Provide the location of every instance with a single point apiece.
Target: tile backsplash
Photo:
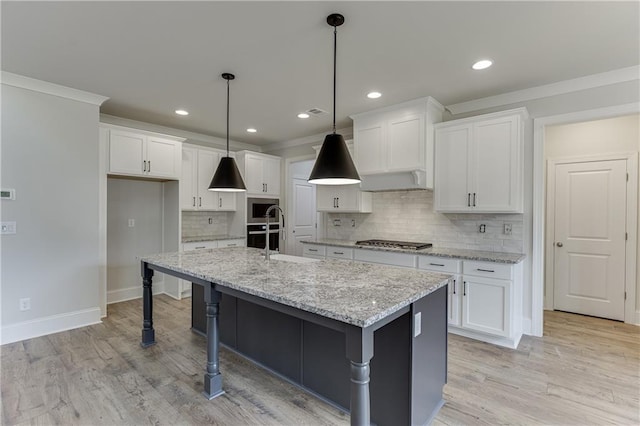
(409, 216)
(196, 224)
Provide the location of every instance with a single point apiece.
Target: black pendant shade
(334, 165)
(227, 177)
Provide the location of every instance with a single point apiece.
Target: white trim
(28, 83)
(110, 126)
(103, 159)
(539, 207)
(195, 138)
(130, 293)
(567, 86)
(526, 326)
(317, 138)
(289, 244)
(413, 102)
(49, 325)
(506, 342)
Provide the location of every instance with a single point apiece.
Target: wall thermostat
(7, 194)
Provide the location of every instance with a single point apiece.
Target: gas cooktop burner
(394, 244)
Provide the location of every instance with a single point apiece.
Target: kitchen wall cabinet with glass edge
(143, 154)
(479, 163)
(261, 173)
(398, 138)
(342, 198)
(198, 167)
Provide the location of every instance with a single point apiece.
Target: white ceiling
(150, 58)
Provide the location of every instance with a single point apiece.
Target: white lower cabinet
(484, 298)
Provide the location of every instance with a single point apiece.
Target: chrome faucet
(266, 215)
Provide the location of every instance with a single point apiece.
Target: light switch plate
(7, 228)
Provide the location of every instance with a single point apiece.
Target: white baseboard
(49, 325)
(130, 293)
(637, 318)
(495, 340)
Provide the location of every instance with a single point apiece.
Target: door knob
(559, 244)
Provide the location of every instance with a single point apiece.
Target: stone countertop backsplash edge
(452, 253)
(201, 239)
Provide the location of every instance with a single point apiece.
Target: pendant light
(227, 177)
(334, 165)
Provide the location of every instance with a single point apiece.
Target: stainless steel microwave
(257, 207)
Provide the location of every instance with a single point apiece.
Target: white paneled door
(589, 238)
(303, 215)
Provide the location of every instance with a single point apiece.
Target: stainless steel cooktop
(394, 244)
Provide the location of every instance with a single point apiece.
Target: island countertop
(356, 293)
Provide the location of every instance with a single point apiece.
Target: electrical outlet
(482, 229)
(25, 304)
(8, 228)
(132, 223)
(417, 324)
(508, 227)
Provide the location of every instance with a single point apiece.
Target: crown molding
(28, 83)
(567, 86)
(192, 137)
(317, 138)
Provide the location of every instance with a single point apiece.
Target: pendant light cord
(227, 118)
(335, 48)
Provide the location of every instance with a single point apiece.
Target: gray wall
(50, 156)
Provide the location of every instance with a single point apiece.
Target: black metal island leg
(213, 377)
(148, 333)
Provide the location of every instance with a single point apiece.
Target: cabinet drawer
(340, 252)
(201, 245)
(314, 250)
(231, 243)
(487, 269)
(385, 257)
(439, 264)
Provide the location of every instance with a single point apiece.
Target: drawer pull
(231, 245)
(436, 264)
(464, 288)
(313, 250)
(454, 286)
(200, 247)
(338, 252)
(484, 270)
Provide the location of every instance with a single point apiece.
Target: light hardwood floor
(583, 371)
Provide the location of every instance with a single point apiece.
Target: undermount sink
(294, 259)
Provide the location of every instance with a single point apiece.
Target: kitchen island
(321, 316)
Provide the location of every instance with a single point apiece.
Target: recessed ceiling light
(251, 130)
(483, 64)
(182, 112)
(303, 115)
(374, 95)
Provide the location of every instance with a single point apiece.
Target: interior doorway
(301, 207)
(587, 210)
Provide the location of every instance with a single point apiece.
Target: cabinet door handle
(334, 202)
(266, 187)
(474, 199)
(454, 286)
(199, 201)
(436, 264)
(313, 250)
(220, 202)
(338, 202)
(338, 252)
(201, 247)
(468, 199)
(194, 201)
(149, 166)
(464, 288)
(144, 166)
(485, 270)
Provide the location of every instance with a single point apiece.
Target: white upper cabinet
(198, 167)
(396, 141)
(261, 173)
(479, 163)
(342, 198)
(134, 153)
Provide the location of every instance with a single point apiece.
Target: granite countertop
(211, 238)
(464, 254)
(352, 292)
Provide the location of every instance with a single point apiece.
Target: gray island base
(370, 338)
